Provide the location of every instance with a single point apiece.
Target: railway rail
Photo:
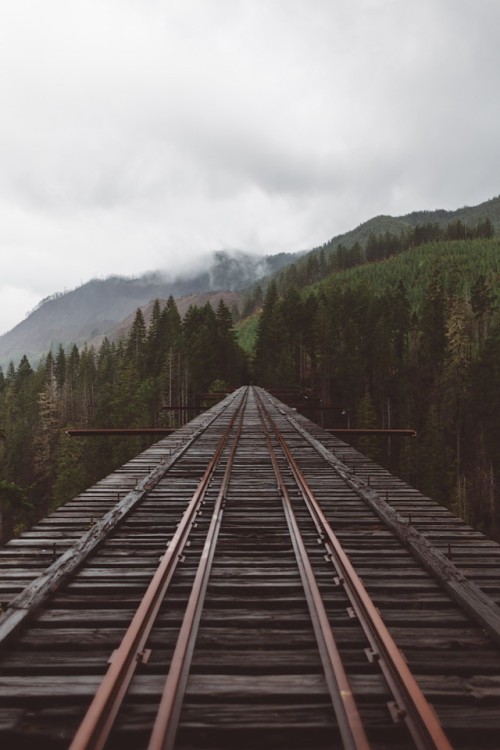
(250, 581)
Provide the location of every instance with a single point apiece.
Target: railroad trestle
(250, 581)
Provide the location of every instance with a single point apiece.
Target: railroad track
(258, 583)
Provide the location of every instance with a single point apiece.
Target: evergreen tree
(228, 354)
(169, 362)
(136, 343)
(272, 367)
(200, 341)
(60, 367)
(154, 349)
(293, 315)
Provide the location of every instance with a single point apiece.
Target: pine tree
(46, 433)
(60, 367)
(136, 343)
(227, 347)
(154, 349)
(173, 362)
(200, 341)
(272, 367)
(293, 314)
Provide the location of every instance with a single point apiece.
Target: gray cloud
(142, 134)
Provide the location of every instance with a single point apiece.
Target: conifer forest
(134, 383)
(402, 332)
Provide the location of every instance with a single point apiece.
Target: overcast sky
(141, 134)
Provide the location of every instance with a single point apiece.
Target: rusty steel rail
(99, 719)
(410, 704)
(349, 721)
(22, 606)
(167, 717)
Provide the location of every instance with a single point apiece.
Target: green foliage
(377, 240)
(410, 341)
(70, 473)
(246, 332)
(170, 363)
(15, 508)
(271, 367)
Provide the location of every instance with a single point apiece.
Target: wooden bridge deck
(256, 674)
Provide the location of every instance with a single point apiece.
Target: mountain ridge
(95, 308)
(183, 304)
(382, 223)
(98, 307)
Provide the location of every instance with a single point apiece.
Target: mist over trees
(403, 331)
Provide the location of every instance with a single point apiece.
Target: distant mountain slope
(467, 215)
(97, 307)
(394, 225)
(183, 304)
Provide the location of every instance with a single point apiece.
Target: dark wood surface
(256, 679)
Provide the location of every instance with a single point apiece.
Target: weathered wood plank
(23, 605)
(476, 603)
(229, 687)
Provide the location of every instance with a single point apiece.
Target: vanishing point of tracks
(251, 589)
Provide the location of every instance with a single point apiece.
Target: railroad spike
(143, 656)
(372, 655)
(397, 713)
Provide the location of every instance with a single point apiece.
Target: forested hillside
(409, 341)
(97, 307)
(402, 330)
(171, 362)
(462, 223)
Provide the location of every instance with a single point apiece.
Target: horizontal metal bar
(121, 431)
(369, 432)
(311, 406)
(182, 408)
